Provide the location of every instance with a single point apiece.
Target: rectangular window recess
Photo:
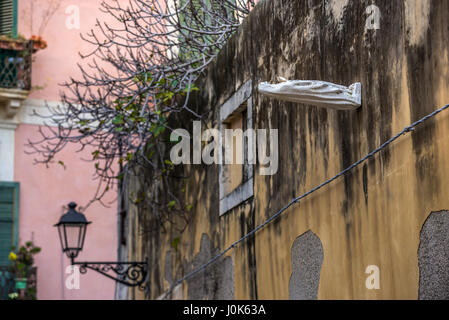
(236, 176)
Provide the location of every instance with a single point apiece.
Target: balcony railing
(7, 284)
(15, 64)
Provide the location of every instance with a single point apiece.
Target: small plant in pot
(23, 260)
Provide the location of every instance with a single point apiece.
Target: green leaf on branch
(175, 242)
(158, 130)
(95, 154)
(171, 204)
(192, 88)
(118, 119)
(62, 164)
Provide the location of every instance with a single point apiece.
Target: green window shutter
(8, 18)
(9, 219)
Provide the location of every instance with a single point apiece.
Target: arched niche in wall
(307, 258)
(215, 282)
(433, 257)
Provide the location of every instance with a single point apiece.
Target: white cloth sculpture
(318, 93)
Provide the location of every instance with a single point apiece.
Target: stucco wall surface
(373, 215)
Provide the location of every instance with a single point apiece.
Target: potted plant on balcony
(23, 261)
(38, 43)
(21, 43)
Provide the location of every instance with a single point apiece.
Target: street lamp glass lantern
(72, 231)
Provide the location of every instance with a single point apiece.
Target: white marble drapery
(313, 92)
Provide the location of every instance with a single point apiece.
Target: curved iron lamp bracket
(132, 274)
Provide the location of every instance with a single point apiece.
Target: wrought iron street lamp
(72, 231)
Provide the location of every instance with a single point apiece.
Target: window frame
(245, 190)
(16, 207)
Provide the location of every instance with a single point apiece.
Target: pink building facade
(42, 193)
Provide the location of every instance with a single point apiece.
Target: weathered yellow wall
(374, 215)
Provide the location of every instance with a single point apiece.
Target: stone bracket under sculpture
(313, 92)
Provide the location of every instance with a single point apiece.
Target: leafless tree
(142, 68)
